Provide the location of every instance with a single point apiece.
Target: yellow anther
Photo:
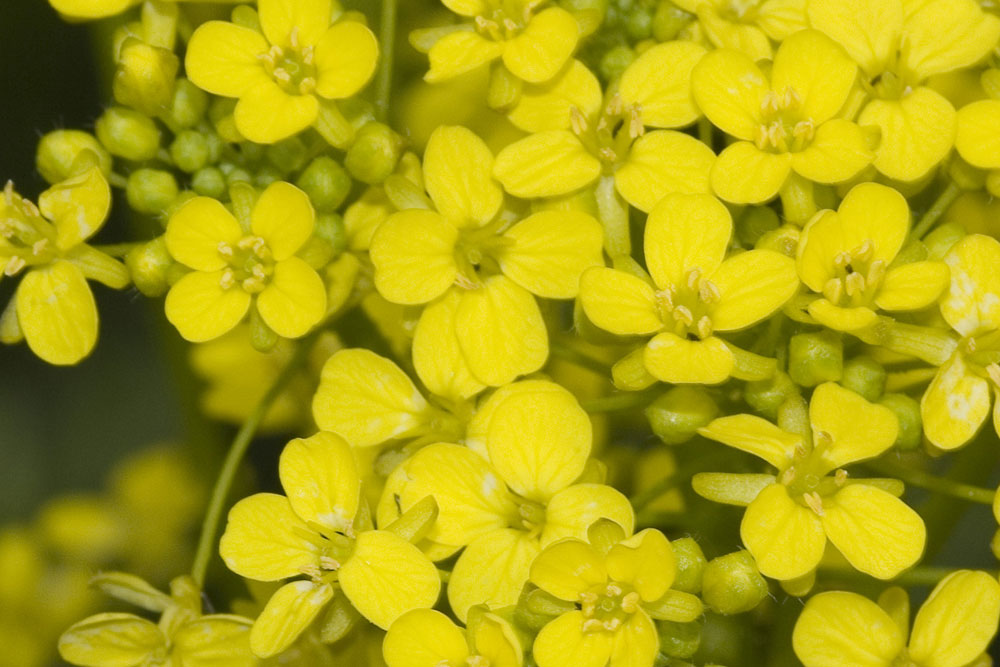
(840, 477)
(254, 285)
(30, 208)
(692, 278)
(704, 327)
(804, 130)
(228, 279)
(854, 284)
(612, 624)
(608, 155)
(814, 502)
(14, 264)
(224, 249)
(307, 85)
(615, 106)
(876, 272)
(683, 314)
(592, 625)
(993, 371)
(39, 247)
(842, 260)
(308, 55)
(466, 282)
(863, 252)
(788, 476)
(791, 100)
(635, 127)
(8, 193)
(293, 37)
(577, 121)
(613, 590)
(708, 292)
(833, 290)
(328, 563)
(823, 439)
(630, 603)
(769, 103)
(510, 25)
(281, 75)
(665, 298)
(311, 571)
(476, 661)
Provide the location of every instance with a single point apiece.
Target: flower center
(685, 309)
(334, 549)
(609, 136)
(784, 128)
(857, 277)
(739, 11)
(805, 477)
(607, 607)
(505, 19)
(251, 264)
(530, 516)
(293, 69)
(477, 253)
(25, 236)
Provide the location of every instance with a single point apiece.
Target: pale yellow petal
(785, 538)
(838, 152)
(728, 88)
(574, 509)
(265, 540)
(222, 58)
(437, 356)
(977, 140)
(568, 568)
(346, 56)
(321, 480)
(214, 638)
(676, 360)
(661, 163)
(874, 212)
(57, 313)
(645, 561)
(822, 239)
(543, 47)
(917, 133)
(295, 299)
(284, 217)
(413, 253)
(842, 318)
(868, 30)
(751, 285)
(547, 106)
(744, 174)
(458, 53)
(496, 640)
(725, 31)
(422, 638)
(201, 309)
(955, 405)
(457, 173)
(111, 640)
(196, 230)
(287, 615)
(636, 644)
(290, 22)
(818, 70)
(944, 35)
(730, 488)
(913, 286)
(78, 207)
(545, 164)
(492, 570)
(619, 302)
(665, 101)
(956, 623)
(838, 628)
(562, 643)
(266, 114)
(756, 436)
(686, 232)
(972, 303)
(871, 430)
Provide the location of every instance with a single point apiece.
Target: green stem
(685, 472)
(924, 480)
(566, 353)
(387, 45)
(620, 402)
(117, 249)
(945, 200)
(238, 448)
(923, 575)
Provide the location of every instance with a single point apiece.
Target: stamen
(683, 314)
(814, 501)
(577, 121)
(14, 264)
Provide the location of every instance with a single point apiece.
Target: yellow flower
(495, 261)
(787, 121)
(508, 493)
(845, 256)
(53, 308)
(278, 75)
(790, 516)
(747, 25)
(96, 9)
(953, 627)
(898, 48)
(695, 291)
(977, 139)
(619, 587)
(239, 264)
(323, 530)
(428, 638)
(957, 402)
(533, 45)
(183, 635)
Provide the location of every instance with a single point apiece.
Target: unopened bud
(755, 222)
(188, 105)
(677, 415)
(209, 182)
(679, 640)
(990, 81)
(630, 373)
(128, 134)
(149, 265)
(374, 154)
(993, 182)
(939, 241)
(907, 411)
(339, 618)
(615, 62)
(330, 228)
(732, 584)
(190, 151)
(63, 154)
(288, 155)
(144, 79)
(690, 562)
(151, 191)
(864, 376)
(814, 358)
(766, 396)
(326, 182)
(669, 20)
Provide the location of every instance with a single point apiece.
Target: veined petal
(842, 318)
(284, 217)
(837, 152)
(217, 637)
(744, 174)
(386, 576)
(877, 532)
(321, 479)
(977, 140)
(547, 106)
(457, 173)
(871, 429)
(562, 643)
(619, 302)
(196, 230)
(838, 628)
(112, 640)
(266, 113)
(78, 207)
(437, 356)
(459, 52)
(222, 58)
(290, 22)
(366, 399)
(752, 285)
(955, 405)
(265, 540)
(944, 35)
(726, 33)
(665, 101)
(878, 213)
(785, 538)
(636, 644)
(567, 568)
(956, 623)
(96, 265)
(574, 509)
(56, 313)
(868, 30)
(672, 359)
(424, 637)
(413, 253)
(346, 56)
(685, 232)
(822, 239)
(496, 640)
(543, 47)
(545, 164)
(201, 309)
(780, 18)
(972, 304)
(286, 616)
(730, 488)
(756, 436)
(492, 570)
(912, 286)
(816, 68)
(646, 562)
(661, 163)
(728, 88)
(295, 299)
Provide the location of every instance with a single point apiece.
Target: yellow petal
(492, 570)
(201, 309)
(944, 35)
(686, 232)
(90, 9)
(956, 623)
(636, 644)
(785, 538)
(547, 106)
(567, 568)
(871, 211)
(574, 509)
(265, 540)
(816, 68)
(413, 254)
(868, 30)
(842, 319)
(619, 302)
(458, 53)
(115, 640)
(57, 313)
(303, 21)
(663, 162)
(78, 207)
(877, 532)
(912, 286)
(501, 331)
(496, 640)
(366, 399)
(98, 266)
(437, 356)
(545, 164)
(727, 32)
(295, 299)
(539, 443)
(386, 576)
(286, 616)
(972, 304)
(222, 58)
(424, 637)
(977, 140)
(781, 18)
(284, 217)
(821, 241)
(837, 152)
(550, 251)
(752, 285)
(871, 430)
(466, 7)
(756, 436)
(728, 88)
(266, 113)
(346, 56)
(744, 174)
(210, 639)
(672, 359)
(645, 561)
(732, 489)
(321, 480)
(196, 230)
(457, 172)
(917, 133)
(955, 405)
(543, 47)
(838, 628)
(665, 101)
(562, 643)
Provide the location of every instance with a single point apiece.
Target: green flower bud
(288, 155)
(800, 586)
(766, 396)
(266, 175)
(669, 20)
(209, 182)
(755, 222)
(149, 265)
(144, 79)
(732, 584)
(865, 376)
(65, 153)
(326, 182)
(330, 228)
(190, 151)
(907, 411)
(151, 191)
(690, 563)
(677, 415)
(814, 358)
(990, 81)
(339, 618)
(639, 24)
(784, 239)
(238, 175)
(504, 88)
(615, 61)
(188, 105)
(532, 609)
(940, 240)
(965, 175)
(128, 134)
(993, 182)
(679, 640)
(374, 154)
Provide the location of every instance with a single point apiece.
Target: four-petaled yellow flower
(747, 25)
(428, 638)
(278, 75)
(243, 264)
(790, 516)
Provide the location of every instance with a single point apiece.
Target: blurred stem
(387, 45)
(922, 575)
(573, 356)
(942, 203)
(619, 402)
(238, 448)
(925, 480)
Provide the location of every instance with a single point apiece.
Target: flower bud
(504, 89)
(990, 81)
(149, 265)
(907, 411)
(690, 562)
(865, 377)
(288, 155)
(65, 153)
(151, 191)
(630, 374)
(814, 358)
(965, 175)
(616, 61)
(755, 222)
(326, 182)
(784, 239)
(639, 23)
(678, 414)
(266, 175)
(339, 618)
(800, 586)
(732, 584)
(669, 20)
(939, 241)
(330, 228)
(144, 79)
(189, 151)
(766, 396)
(128, 134)
(209, 182)
(679, 640)
(993, 182)
(374, 154)
(188, 105)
